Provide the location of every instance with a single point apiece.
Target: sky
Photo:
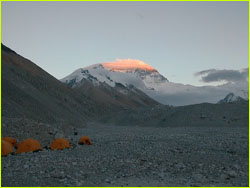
(179, 39)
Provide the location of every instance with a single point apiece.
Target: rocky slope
(30, 92)
(117, 97)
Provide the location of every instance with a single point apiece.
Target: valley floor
(138, 156)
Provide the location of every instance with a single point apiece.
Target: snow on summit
(127, 65)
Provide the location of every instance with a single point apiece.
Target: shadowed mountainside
(30, 92)
(118, 96)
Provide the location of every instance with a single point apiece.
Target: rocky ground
(138, 156)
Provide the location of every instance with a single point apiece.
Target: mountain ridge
(155, 85)
(231, 98)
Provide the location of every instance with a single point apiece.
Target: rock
(107, 181)
(232, 174)
(161, 175)
(200, 165)
(80, 183)
(75, 132)
(26, 166)
(236, 166)
(58, 174)
(59, 135)
(41, 172)
(180, 166)
(68, 176)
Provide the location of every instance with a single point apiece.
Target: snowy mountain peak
(124, 71)
(231, 98)
(95, 66)
(138, 68)
(147, 79)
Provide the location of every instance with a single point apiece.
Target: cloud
(215, 75)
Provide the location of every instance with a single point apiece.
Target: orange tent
(28, 145)
(6, 148)
(60, 144)
(85, 140)
(10, 140)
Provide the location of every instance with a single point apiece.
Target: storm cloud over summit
(215, 75)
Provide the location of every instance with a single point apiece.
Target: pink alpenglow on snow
(127, 64)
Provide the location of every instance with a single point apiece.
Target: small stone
(200, 165)
(107, 181)
(232, 174)
(26, 166)
(58, 174)
(180, 166)
(63, 180)
(103, 170)
(161, 175)
(59, 135)
(79, 183)
(237, 167)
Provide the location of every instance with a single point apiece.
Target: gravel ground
(138, 156)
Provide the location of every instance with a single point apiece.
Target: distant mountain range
(142, 76)
(231, 98)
